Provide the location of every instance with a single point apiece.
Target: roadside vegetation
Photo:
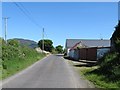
(48, 46)
(59, 49)
(16, 57)
(107, 73)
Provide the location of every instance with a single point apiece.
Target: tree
(64, 50)
(59, 49)
(54, 51)
(48, 45)
(116, 37)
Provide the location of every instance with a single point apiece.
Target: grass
(98, 79)
(105, 74)
(16, 58)
(15, 66)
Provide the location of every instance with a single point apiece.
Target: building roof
(88, 42)
(78, 45)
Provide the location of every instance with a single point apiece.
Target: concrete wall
(101, 52)
(71, 54)
(68, 50)
(76, 54)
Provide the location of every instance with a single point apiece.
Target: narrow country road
(51, 72)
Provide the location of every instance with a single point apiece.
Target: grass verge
(99, 80)
(16, 58)
(105, 75)
(15, 66)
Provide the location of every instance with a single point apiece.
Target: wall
(83, 54)
(71, 54)
(76, 54)
(101, 52)
(91, 54)
(88, 54)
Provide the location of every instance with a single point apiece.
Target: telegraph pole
(5, 20)
(43, 40)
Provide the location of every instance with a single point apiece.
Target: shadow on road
(82, 63)
(85, 65)
(59, 55)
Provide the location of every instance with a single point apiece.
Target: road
(51, 72)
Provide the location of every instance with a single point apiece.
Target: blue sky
(61, 21)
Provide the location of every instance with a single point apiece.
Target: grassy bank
(15, 58)
(106, 74)
(99, 80)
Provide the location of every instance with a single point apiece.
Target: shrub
(110, 66)
(16, 57)
(116, 37)
(14, 43)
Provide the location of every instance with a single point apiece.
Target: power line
(24, 8)
(29, 13)
(26, 13)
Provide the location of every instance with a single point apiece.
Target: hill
(26, 42)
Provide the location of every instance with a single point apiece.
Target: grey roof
(88, 42)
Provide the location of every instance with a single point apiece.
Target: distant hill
(26, 42)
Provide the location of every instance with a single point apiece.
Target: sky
(60, 20)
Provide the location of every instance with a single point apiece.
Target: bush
(116, 37)
(14, 43)
(16, 57)
(110, 66)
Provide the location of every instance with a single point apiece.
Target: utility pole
(43, 40)
(5, 20)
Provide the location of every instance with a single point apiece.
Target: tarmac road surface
(51, 72)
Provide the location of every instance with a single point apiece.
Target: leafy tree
(64, 50)
(54, 51)
(48, 45)
(116, 37)
(59, 49)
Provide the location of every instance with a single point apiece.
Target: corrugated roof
(88, 42)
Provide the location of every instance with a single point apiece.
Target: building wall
(91, 54)
(68, 51)
(88, 54)
(82, 54)
(76, 54)
(71, 54)
(101, 52)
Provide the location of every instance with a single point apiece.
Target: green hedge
(16, 57)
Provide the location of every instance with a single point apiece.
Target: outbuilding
(87, 49)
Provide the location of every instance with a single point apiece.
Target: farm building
(87, 49)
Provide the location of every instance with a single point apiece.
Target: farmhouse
(91, 49)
